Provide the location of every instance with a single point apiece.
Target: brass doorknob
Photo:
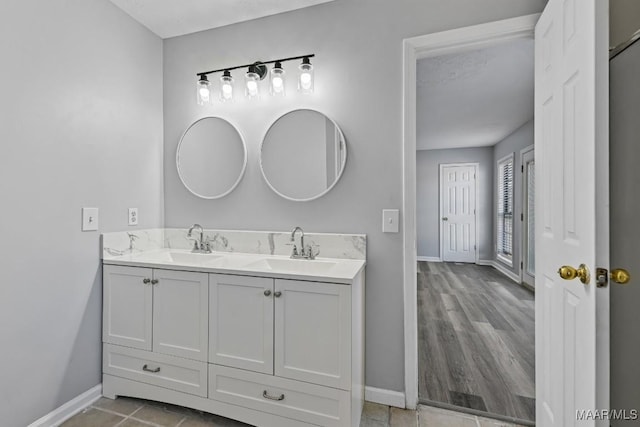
(620, 275)
(569, 273)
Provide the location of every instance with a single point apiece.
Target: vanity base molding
(113, 386)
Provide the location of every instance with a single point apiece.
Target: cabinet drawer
(188, 376)
(288, 398)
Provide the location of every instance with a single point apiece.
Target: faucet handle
(313, 254)
(294, 251)
(309, 253)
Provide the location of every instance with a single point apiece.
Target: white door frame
(446, 42)
(525, 215)
(476, 167)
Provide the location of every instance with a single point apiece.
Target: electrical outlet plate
(133, 216)
(390, 219)
(89, 219)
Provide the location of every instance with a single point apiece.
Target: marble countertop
(335, 270)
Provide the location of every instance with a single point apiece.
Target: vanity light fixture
(203, 93)
(251, 80)
(255, 73)
(226, 86)
(277, 87)
(305, 80)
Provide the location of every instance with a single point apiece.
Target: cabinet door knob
(265, 394)
(267, 292)
(154, 281)
(155, 371)
(277, 294)
(146, 281)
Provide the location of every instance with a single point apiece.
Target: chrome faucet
(199, 245)
(306, 252)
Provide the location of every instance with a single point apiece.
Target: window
(504, 249)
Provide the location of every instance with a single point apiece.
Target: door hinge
(475, 247)
(521, 265)
(521, 216)
(602, 277)
(521, 168)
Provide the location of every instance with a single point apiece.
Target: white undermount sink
(296, 266)
(181, 257)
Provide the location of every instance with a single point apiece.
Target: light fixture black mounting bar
(255, 63)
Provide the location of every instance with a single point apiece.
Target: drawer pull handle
(154, 282)
(277, 294)
(146, 281)
(267, 293)
(266, 396)
(146, 368)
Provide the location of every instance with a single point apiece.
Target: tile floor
(126, 412)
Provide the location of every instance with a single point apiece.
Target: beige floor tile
(403, 418)
(435, 417)
(158, 415)
(366, 422)
(198, 422)
(488, 422)
(134, 423)
(121, 405)
(93, 418)
(375, 412)
(211, 420)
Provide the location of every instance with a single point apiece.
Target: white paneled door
(458, 212)
(571, 210)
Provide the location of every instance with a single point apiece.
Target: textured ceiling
(170, 18)
(475, 98)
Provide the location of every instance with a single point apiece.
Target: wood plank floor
(476, 339)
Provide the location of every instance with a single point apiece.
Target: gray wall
(428, 206)
(81, 125)
(624, 20)
(514, 143)
(625, 231)
(358, 74)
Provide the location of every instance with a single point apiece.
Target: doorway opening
(466, 274)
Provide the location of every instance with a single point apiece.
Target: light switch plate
(390, 219)
(133, 216)
(89, 219)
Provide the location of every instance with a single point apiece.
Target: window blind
(505, 208)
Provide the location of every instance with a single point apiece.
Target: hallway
(476, 340)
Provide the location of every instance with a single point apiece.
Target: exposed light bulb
(277, 80)
(252, 87)
(305, 79)
(278, 84)
(226, 87)
(251, 83)
(203, 93)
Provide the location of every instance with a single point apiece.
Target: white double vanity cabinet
(262, 339)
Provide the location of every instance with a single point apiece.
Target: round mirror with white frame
(303, 155)
(211, 158)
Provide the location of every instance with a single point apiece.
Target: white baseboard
(429, 258)
(488, 262)
(69, 409)
(384, 397)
